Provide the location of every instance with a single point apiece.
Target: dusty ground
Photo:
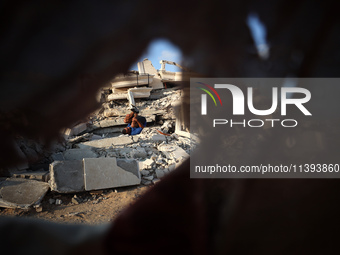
(97, 207)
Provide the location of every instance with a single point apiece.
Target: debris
(113, 112)
(67, 176)
(106, 143)
(79, 154)
(139, 152)
(173, 151)
(147, 164)
(76, 130)
(95, 137)
(160, 173)
(146, 183)
(149, 178)
(78, 139)
(158, 138)
(58, 202)
(76, 200)
(102, 158)
(145, 172)
(21, 193)
(172, 167)
(33, 175)
(38, 208)
(108, 173)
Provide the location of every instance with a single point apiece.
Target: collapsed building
(94, 155)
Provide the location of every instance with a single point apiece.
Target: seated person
(135, 123)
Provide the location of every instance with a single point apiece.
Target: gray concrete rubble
(76, 130)
(106, 173)
(33, 175)
(106, 143)
(21, 193)
(72, 176)
(67, 176)
(94, 155)
(79, 154)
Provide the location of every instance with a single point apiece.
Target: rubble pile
(94, 155)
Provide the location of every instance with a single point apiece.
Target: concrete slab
(79, 154)
(21, 193)
(106, 143)
(147, 164)
(78, 129)
(173, 151)
(112, 122)
(106, 173)
(67, 176)
(113, 112)
(158, 138)
(95, 137)
(139, 152)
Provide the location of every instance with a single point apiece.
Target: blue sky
(161, 49)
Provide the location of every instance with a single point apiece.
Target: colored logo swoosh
(208, 92)
(215, 92)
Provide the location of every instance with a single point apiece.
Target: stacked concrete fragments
(95, 155)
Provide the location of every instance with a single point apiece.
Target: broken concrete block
(33, 175)
(106, 173)
(67, 176)
(112, 122)
(104, 131)
(147, 164)
(166, 147)
(139, 152)
(146, 182)
(106, 143)
(79, 154)
(172, 167)
(140, 164)
(113, 112)
(21, 193)
(173, 152)
(145, 172)
(149, 178)
(76, 200)
(158, 138)
(38, 208)
(77, 129)
(159, 173)
(95, 137)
